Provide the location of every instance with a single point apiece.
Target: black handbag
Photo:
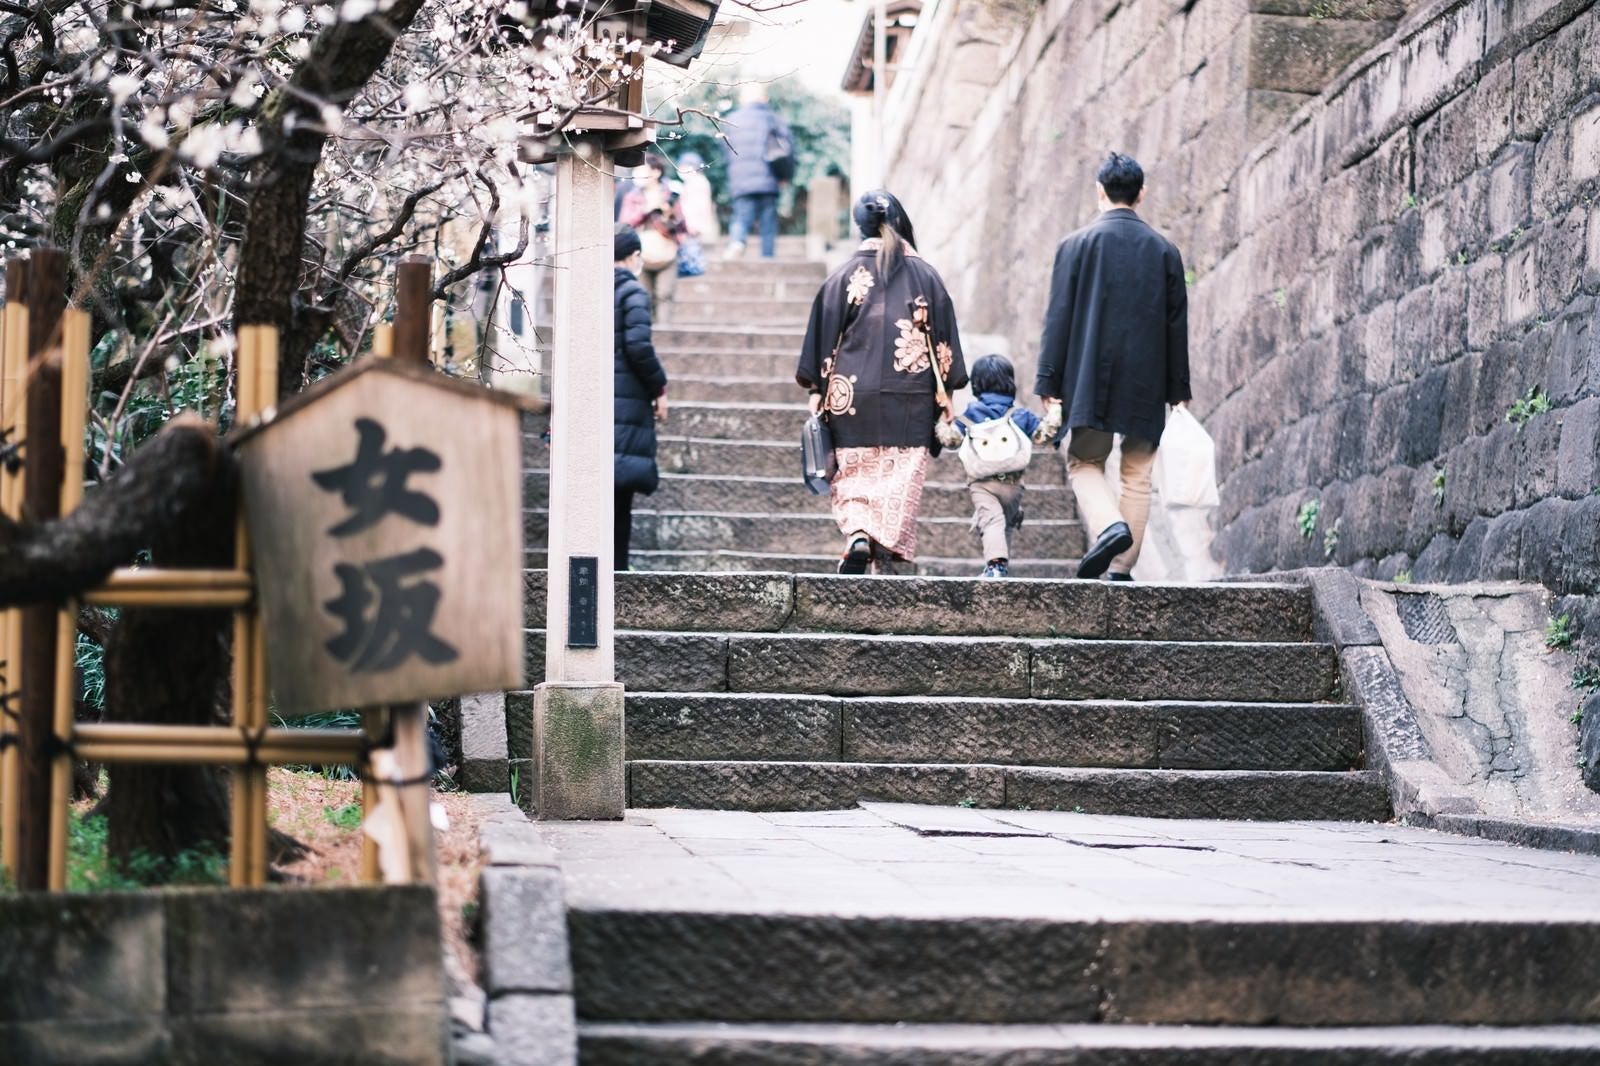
(818, 464)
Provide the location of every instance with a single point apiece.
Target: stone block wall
(1393, 225)
(222, 975)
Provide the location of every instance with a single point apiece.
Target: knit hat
(624, 244)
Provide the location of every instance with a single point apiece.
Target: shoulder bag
(818, 463)
(944, 430)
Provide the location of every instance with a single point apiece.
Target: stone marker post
(577, 711)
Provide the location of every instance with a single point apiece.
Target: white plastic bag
(1186, 463)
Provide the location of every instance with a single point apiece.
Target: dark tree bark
(168, 482)
(272, 286)
(171, 667)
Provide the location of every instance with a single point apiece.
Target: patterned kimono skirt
(878, 491)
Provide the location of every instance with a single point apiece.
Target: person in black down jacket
(641, 388)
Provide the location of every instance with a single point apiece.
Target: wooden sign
(385, 514)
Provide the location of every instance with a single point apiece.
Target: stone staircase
(731, 496)
(1038, 822)
(792, 692)
(895, 821)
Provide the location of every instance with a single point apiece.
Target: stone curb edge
(530, 1016)
(1422, 794)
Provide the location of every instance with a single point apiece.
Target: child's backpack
(994, 447)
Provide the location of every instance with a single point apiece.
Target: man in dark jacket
(1115, 352)
(641, 388)
(751, 182)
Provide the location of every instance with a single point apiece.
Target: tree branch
(396, 227)
(164, 484)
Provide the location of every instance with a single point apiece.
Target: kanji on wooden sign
(385, 514)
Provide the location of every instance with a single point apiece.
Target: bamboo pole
(46, 463)
(126, 579)
(178, 598)
(266, 397)
(13, 415)
(74, 419)
(174, 588)
(235, 755)
(246, 382)
(413, 302)
(349, 741)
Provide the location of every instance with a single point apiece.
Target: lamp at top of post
(612, 115)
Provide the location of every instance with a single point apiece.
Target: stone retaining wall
(222, 975)
(1386, 257)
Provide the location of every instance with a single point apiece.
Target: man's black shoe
(1117, 539)
(1119, 577)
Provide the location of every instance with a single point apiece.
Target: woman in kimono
(868, 367)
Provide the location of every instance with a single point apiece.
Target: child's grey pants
(996, 511)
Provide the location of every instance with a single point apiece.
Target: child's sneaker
(996, 568)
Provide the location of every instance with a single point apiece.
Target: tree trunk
(170, 667)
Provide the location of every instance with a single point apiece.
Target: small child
(997, 500)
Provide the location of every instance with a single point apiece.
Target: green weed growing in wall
(1558, 632)
(1330, 539)
(1438, 487)
(1306, 520)
(1402, 577)
(1535, 402)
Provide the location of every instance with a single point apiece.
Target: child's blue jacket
(991, 405)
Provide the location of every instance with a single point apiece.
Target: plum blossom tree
(207, 164)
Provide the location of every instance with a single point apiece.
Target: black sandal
(856, 557)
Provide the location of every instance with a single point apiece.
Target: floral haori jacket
(865, 352)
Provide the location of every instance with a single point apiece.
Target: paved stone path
(915, 861)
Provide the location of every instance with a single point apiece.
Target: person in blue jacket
(996, 500)
(641, 388)
(750, 134)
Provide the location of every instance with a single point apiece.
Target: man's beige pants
(1098, 506)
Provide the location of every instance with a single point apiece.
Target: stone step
(1004, 667)
(724, 310)
(812, 534)
(816, 1044)
(712, 493)
(1165, 735)
(732, 283)
(1244, 795)
(972, 566)
(1085, 610)
(738, 421)
(760, 363)
(781, 459)
(753, 267)
(669, 337)
(913, 915)
(725, 966)
(720, 561)
(737, 388)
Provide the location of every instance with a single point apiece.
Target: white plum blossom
(154, 134)
(429, 149)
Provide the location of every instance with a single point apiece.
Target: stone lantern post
(578, 756)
